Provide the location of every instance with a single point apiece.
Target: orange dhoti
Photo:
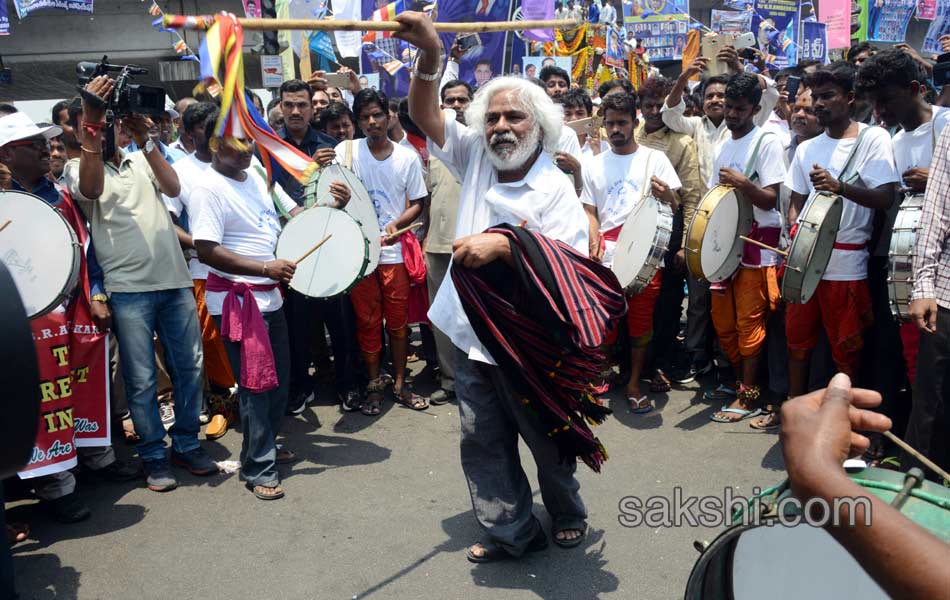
(384, 293)
(640, 309)
(217, 367)
(843, 308)
(741, 312)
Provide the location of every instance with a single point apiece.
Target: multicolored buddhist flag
(386, 13)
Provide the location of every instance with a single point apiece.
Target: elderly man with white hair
(504, 160)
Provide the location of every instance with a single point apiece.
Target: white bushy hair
(528, 96)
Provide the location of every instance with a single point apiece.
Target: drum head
(45, 267)
(334, 267)
(635, 242)
(811, 248)
(360, 206)
(721, 250)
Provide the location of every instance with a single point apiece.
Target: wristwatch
(416, 73)
(99, 298)
(149, 146)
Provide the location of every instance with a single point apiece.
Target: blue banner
(776, 24)
(662, 25)
(486, 59)
(4, 20)
(814, 42)
(25, 7)
(888, 23)
(938, 27)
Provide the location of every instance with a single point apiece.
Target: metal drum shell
(7, 200)
(900, 268)
(698, 225)
(658, 248)
(811, 248)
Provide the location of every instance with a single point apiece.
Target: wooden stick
(314, 249)
(332, 25)
(910, 450)
(399, 232)
(4, 226)
(761, 245)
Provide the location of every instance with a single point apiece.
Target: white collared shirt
(544, 201)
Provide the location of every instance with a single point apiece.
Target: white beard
(512, 160)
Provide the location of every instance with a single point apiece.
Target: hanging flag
(322, 45)
(348, 42)
(393, 66)
(538, 10)
(814, 42)
(154, 9)
(222, 74)
(25, 7)
(385, 13)
(181, 46)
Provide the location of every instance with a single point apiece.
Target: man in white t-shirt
(750, 161)
(503, 158)
(236, 234)
(393, 177)
(841, 304)
(615, 182)
(190, 171)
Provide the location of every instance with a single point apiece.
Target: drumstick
(4, 226)
(204, 22)
(312, 250)
(766, 246)
(910, 450)
(399, 232)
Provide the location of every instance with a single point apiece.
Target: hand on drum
(818, 429)
(280, 270)
(733, 178)
(662, 192)
(924, 313)
(916, 179)
(477, 250)
(567, 163)
(824, 181)
(101, 316)
(340, 193)
(324, 156)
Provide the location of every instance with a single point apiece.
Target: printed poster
(25, 7)
(938, 27)
(926, 9)
(887, 21)
(731, 21)
(836, 14)
(4, 19)
(814, 42)
(661, 24)
(776, 26)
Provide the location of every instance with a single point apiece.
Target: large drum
(642, 244)
(770, 560)
(713, 246)
(811, 247)
(336, 266)
(360, 206)
(900, 280)
(40, 249)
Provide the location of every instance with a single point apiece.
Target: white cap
(18, 126)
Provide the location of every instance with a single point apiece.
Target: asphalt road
(378, 508)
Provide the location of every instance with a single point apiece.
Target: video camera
(941, 74)
(127, 98)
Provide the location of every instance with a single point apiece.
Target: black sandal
(571, 526)
(374, 397)
(410, 400)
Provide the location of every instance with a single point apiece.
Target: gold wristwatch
(99, 298)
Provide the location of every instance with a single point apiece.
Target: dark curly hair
(370, 96)
(655, 87)
(888, 68)
(839, 73)
(575, 99)
(625, 103)
(607, 86)
(744, 85)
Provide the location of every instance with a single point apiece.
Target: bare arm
(676, 94)
(424, 106)
(764, 198)
(880, 198)
(217, 256)
(92, 174)
(795, 205)
(184, 238)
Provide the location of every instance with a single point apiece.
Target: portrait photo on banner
(531, 65)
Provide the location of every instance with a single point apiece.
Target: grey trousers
(437, 265)
(492, 419)
(57, 485)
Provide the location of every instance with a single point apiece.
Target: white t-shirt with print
(874, 163)
(614, 184)
(769, 169)
(241, 216)
(391, 184)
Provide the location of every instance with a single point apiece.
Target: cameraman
(146, 278)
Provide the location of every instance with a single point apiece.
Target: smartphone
(588, 125)
(337, 80)
(746, 40)
(791, 87)
(469, 41)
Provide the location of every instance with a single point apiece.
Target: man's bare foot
(568, 535)
(732, 417)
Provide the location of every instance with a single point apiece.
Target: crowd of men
(184, 229)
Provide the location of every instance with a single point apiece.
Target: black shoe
(689, 375)
(298, 402)
(116, 472)
(67, 509)
(158, 475)
(441, 396)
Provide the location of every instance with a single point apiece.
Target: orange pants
(384, 293)
(217, 367)
(741, 312)
(844, 309)
(640, 308)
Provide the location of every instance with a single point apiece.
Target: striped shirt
(932, 247)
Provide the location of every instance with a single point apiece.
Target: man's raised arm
(424, 106)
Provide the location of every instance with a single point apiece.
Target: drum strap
(348, 158)
(645, 188)
(844, 175)
(750, 171)
(273, 195)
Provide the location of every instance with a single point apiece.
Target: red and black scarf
(544, 322)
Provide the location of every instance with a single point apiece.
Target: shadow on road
(59, 583)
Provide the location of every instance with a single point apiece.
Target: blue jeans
(262, 413)
(172, 314)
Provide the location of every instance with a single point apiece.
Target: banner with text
(888, 23)
(25, 7)
(938, 27)
(661, 24)
(814, 42)
(926, 9)
(731, 21)
(4, 19)
(836, 14)
(776, 26)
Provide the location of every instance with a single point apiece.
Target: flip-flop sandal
(770, 422)
(660, 384)
(260, 495)
(720, 394)
(743, 415)
(374, 397)
(370, 408)
(411, 400)
(641, 408)
(572, 542)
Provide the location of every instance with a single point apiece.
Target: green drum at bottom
(770, 560)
